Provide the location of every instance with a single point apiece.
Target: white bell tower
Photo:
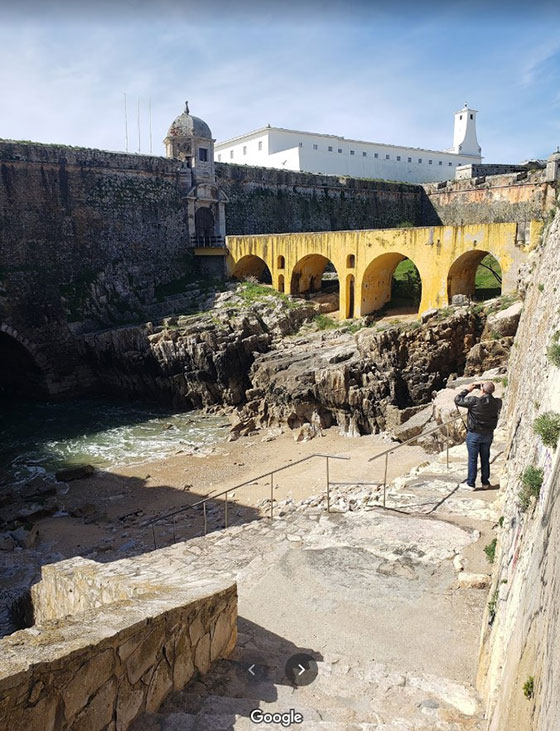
(464, 133)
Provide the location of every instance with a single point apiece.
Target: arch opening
(476, 274)
(392, 282)
(204, 224)
(252, 266)
(281, 262)
(281, 283)
(315, 277)
(350, 293)
(20, 375)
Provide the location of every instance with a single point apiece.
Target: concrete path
(373, 595)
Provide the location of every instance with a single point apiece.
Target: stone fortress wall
(92, 240)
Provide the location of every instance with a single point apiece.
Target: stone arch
(252, 266)
(307, 274)
(461, 278)
(281, 283)
(22, 367)
(204, 223)
(350, 261)
(281, 262)
(377, 281)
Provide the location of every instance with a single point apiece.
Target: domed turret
(190, 139)
(553, 167)
(185, 125)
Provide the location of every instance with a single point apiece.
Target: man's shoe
(468, 484)
(488, 486)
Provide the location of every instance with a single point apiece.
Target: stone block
(183, 667)
(129, 704)
(98, 713)
(144, 656)
(161, 684)
(86, 681)
(202, 654)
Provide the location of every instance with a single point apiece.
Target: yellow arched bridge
(446, 257)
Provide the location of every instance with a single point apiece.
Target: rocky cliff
(520, 652)
(251, 352)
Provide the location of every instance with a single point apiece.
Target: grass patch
(490, 550)
(529, 687)
(487, 283)
(547, 426)
(553, 354)
(531, 483)
(406, 284)
(493, 606)
(322, 322)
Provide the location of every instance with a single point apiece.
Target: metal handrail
(213, 496)
(389, 451)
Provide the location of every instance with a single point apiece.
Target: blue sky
(385, 72)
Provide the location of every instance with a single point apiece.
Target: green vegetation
(252, 292)
(541, 287)
(323, 322)
(501, 521)
(492, 606)
(553, 352)
(547, 426)
(490, 550)
(488, 279)
(529, 687)
(406, 287)
(531, 480)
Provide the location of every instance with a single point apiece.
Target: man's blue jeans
(479, 444)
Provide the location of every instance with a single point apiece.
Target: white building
(274, 147)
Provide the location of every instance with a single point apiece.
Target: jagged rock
(26, 537)
(488, 354)
(75, 473)
(503, 323)
(459, 299)
(414, 426)
(7, 542)
(473, 581)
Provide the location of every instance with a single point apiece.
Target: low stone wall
(137, 640)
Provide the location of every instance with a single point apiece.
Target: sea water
(39, 438)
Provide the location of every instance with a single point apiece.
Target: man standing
(482, 419)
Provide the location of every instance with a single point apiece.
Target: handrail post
(205, 522)
(225, 510)
(328, 488)
(447, 445)
(271, 495)
(385, 479)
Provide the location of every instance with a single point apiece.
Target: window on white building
(387, 157)
(301, 144)
(375, 154)
(409, 159)
(429, 162)
(315, 147)
(364, 154)
(340, 149)
(231, 154)
(244, 149)
(398, 158)
(419, 159)
(351, 152)
(440, 163)
(260, 145)
(330, 149)
(471, 116)
(450, 164)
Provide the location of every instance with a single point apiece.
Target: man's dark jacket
(482, 417)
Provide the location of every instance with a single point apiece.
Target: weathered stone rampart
(520, 654)
(515, 197)
(112, 641)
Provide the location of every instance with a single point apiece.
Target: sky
(392, 72)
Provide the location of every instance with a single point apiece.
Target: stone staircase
(413, 555)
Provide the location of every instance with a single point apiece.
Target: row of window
(352, 152)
